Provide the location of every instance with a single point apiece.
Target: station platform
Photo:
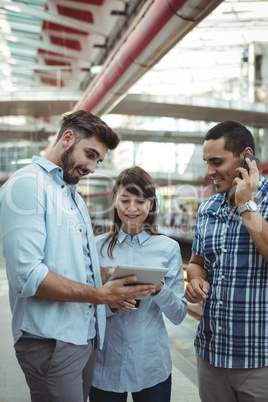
(13, 387)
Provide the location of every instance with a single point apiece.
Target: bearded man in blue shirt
(228, 272)
(55, 286)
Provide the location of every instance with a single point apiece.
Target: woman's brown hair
(137, 181)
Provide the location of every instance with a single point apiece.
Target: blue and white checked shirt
(45, 226)
(233, 331)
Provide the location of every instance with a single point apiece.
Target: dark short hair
(85, 124)
(236, 136)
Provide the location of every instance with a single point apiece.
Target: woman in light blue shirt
(136, 356)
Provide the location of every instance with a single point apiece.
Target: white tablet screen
(144, 274)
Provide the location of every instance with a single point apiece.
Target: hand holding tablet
(143, 274)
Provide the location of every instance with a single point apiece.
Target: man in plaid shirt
(228, 272)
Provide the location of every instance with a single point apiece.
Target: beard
(68, 163)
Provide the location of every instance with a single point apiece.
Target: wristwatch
(248, 206)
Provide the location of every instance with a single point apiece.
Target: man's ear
(248, 150)
(68, 138)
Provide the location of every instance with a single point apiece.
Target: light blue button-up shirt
(44, 223)
(136, 351)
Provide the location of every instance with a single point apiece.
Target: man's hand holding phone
(248, 180)
(245, 164)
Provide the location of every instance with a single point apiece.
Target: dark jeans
(159, 393)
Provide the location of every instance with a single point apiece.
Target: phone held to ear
(245, 165)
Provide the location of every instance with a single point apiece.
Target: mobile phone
(245, 165)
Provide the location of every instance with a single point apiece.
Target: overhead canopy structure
(56, 43)
(60, 55)
(57, 46)
(159, 26)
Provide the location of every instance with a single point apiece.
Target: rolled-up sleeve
(23, 231)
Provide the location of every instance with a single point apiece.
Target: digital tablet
(143, 274)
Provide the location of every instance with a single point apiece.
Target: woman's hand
(106, 273)
(159, 287)
(125, 305)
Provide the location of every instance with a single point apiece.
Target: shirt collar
(46, 164)
(223, 199)
(219, 200)
(142, 236)
(51, 167)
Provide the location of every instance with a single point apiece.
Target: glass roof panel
(210, 58)
(17, 17)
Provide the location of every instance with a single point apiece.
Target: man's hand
(197, 290)
(116, 291)
(246, 188)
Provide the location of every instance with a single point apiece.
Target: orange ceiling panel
(52, 26)
(93, 2)
(51, 81)
(81, 15)
(64, 42)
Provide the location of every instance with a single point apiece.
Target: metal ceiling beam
(18, 135)
(36, 109)
(47, 103)
(161, 136)
(38, 103)
(10, 133)
(206, 109)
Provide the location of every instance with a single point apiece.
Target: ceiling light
(95, 69)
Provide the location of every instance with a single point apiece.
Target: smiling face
(81, 158)
(221, 164)
(132, 210)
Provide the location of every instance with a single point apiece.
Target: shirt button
(59, 170)
(220, 302)
(62, 186)
(222, 277)
(90, 306)
(224, 250)
(220, 328)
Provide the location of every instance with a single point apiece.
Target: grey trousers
(56, 371)
(218, 384)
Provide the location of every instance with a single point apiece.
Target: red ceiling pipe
(161, 24)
